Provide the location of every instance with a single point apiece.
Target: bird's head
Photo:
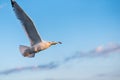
(54, 43)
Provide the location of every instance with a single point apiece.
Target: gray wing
(27, 23)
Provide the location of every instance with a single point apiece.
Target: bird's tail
(26, 51)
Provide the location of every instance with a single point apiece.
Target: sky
(88, 29)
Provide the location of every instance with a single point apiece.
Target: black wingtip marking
(12, 3)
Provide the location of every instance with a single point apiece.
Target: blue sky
(88, 29)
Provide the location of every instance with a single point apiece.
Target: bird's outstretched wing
(27, 23)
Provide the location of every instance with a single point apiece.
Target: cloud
(107, 49)
(97, 52)
(49, 66)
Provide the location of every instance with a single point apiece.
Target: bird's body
(37, 44)
(41, 46)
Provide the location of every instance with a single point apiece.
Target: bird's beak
(59, 42)
(54, 43)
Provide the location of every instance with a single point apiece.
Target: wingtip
(12, 2)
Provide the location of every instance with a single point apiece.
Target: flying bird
(37, 44)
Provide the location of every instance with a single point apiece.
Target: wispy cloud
(97, 52)
(49, 66)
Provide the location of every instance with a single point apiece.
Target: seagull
(37, 44)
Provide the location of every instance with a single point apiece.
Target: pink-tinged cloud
(103, 50)
(97, 52)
